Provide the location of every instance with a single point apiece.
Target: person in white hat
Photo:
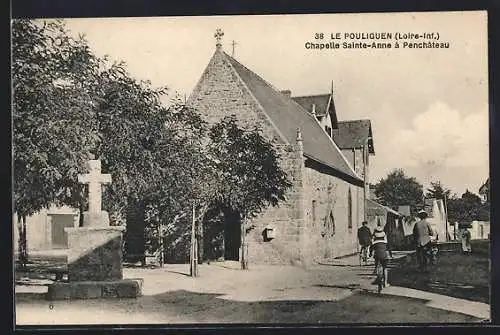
(379, 250)
(422, 233)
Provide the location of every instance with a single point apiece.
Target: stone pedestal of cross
(95, 215)
(95, 254)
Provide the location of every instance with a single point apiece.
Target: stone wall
(220, 93)
(95, 254)
(286, 219)
(355, 158)
(330, 195)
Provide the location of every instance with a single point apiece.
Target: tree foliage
(467, 208)
(249, 175)
(397, 189)
(236, 170)
(437, 191)
(52, 113)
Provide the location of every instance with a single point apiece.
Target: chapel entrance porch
(222, 238)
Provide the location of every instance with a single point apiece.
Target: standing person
(466, 237)
(422, 232)
(364, 239)
(390, 236)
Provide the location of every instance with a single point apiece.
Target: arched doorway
(222, 237)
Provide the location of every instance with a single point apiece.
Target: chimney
(288, 93)
(313, 110)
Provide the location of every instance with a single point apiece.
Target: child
(379, 250)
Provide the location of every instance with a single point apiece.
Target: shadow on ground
(456, 275)
(191, 307)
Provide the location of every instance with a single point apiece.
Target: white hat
(422, 212)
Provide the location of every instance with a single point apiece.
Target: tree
(249, 175)
(466, 209)
(397, 189)
(51, 117)
(437, 191)
(70, 106)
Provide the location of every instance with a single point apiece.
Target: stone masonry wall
(330, 194)
(359, 168)
(220, 93)
(355, 158)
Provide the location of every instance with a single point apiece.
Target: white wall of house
(45, 228)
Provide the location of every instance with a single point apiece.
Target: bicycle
(432, 253)
(380, 271)
(363, 255)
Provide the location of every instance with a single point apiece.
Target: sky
(428, 107)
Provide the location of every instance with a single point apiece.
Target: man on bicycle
(379, 251)
(364, 239)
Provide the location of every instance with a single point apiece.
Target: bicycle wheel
(380, 277)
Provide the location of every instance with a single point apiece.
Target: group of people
(376, 242)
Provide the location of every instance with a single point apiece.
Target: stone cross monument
(95, 251)
(95, 216)
(94, 179)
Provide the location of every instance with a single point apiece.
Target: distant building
(353, 137)
(45, 229)
(484, 191)
(437, 217)
(388, 218)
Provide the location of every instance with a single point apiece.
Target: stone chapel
(325, 205)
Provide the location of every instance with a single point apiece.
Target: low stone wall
(128, 288)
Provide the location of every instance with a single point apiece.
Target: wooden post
(193, 255)
(446, 219)
(244, 264)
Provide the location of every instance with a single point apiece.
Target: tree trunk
(162, 251)
(22, 246)
(20, 241)
(135, 237)
(25, 241)
(80, 217)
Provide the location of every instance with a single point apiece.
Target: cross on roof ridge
(218, 37)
